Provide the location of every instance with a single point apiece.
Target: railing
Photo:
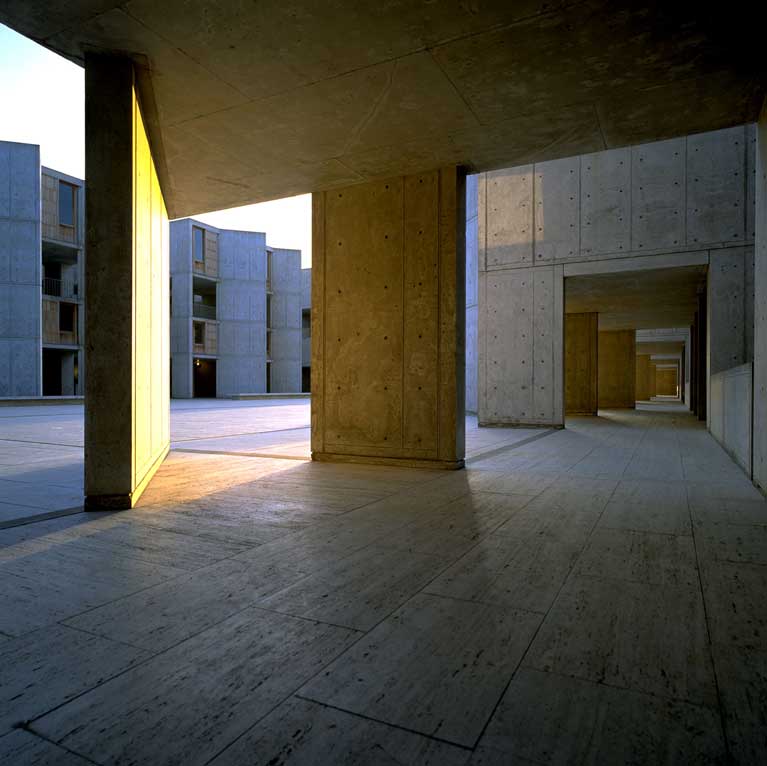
(203, 311)
(60, 288)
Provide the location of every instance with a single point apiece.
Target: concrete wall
(241, 313)
(581, 354)
(20, 293)
(730, 423)
(472, 269)
(286, 321)
(760, 303)
(388, 379)
(181, 314)
(72, 239)
(659, 204)
(617, 369)
(127, 414)
(306, 305)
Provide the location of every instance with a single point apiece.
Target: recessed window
(199, 333)
(66, 204)
(66, 317)
(198, 244)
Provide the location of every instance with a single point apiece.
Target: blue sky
(43, 103)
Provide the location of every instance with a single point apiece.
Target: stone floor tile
(21, 748)
(45, 668)
(662, 518)
(198, 697)
(715, 511)
(152, 545)
(742, 678)
(303, 733)
(603, 463)
(525, 571)
(576, 492)
(736, 603)
(48, 585)
(739, 488)
(518, 482)
(655, 466)
(640, 556)
(649, 638)
(738, 543)
(159, 617)
(552, 719)
(360, 590)
(436, 666)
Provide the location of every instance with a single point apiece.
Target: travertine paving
(41, 447)
(595, 595)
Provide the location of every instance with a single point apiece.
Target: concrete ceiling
(259, 100)
(638, 300)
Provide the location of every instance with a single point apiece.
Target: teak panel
(581, 367)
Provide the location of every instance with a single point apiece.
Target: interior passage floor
(41, 447)
(596, 595)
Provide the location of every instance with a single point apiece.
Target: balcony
(205, 338)
(202, 311)
(60, 288)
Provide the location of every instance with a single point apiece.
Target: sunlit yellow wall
(151, 320)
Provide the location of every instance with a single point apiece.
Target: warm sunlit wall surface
(151, 319)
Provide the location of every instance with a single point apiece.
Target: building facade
(235, 313)
(41, 276)
(239, 308)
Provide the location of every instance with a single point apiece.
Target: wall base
(406, 462)
(517, 424)
(124, 502)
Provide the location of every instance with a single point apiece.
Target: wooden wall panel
(581, 363)
(617, 369)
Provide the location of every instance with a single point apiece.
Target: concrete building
(306, 330)
(41, 277)
(235, 313)
(586, 261)
(587, 594)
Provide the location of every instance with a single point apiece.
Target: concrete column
(730, 310)
(702, 316)
(617, 369)
(760, 309)
(693, 357)
(388, 315)
(581, 345)
(127, 326)
(472, 277)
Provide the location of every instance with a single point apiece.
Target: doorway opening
(631, 340)
(204, 378)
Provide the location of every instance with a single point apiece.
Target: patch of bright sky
(43, 98)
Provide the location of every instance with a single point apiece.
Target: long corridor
(593, 595)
